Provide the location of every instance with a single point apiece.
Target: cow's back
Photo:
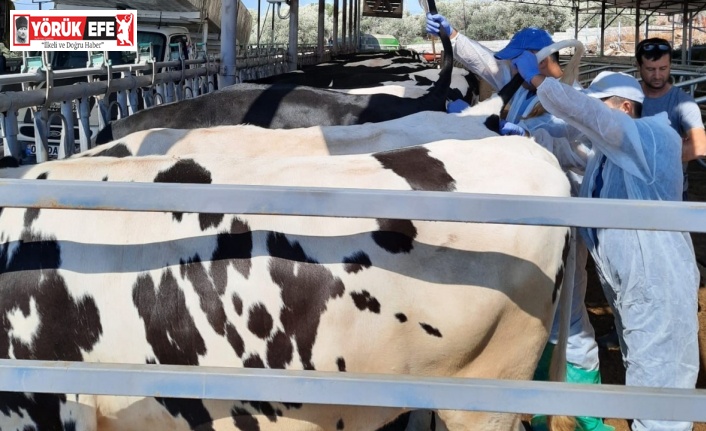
(359, 295)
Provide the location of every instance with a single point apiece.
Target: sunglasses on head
(652, 46)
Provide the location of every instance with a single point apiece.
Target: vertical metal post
(293, 34)
(637, 25)
(684, 24)
(258, 24)
(576, 21)
(335, 25)
(601, 51)
(9, 132)
(229, 18)
(344, 26)
(84, 128)
(66, 146)
(41, 133)
(320, 34)
(351, 42)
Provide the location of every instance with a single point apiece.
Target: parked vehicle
(378, 42)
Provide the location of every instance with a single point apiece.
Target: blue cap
(608, 84)
(530, 38)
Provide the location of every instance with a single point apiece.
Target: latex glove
(434, 22)
(527, 65)
(457, 106)
(508, 128)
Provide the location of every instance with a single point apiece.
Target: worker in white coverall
(526, 117)
(649, 277)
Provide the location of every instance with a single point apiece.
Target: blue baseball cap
(530, 38)
(608, 84)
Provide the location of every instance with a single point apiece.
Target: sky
(409, 5)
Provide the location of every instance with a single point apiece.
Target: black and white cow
(359, 295)
(399, 75)
(281, 106)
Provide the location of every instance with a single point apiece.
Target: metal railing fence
(350, 388)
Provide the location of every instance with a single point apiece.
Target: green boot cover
(576, 374)
(541, 374)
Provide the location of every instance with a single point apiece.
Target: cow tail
(557, 367)
(436, 97)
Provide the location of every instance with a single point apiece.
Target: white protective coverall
(649, 277)
(559, 138)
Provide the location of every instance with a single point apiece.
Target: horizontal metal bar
(24, 99)
(352, 389)
(318, 201)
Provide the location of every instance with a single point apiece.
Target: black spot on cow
(430, 329)
(265, 408)
(237, 303)
(192, 411)
(341, 364)
(423, 81)
(105, 178)
(260, 322)
(418, 168)
(9, 162)
(119, 150)
(395, 236)
(29, 275)
(210, 301)
(279, 351)
(185, 171)
(253, 361)
(401, 317)
(356, 262)
(209, 220)
(43, 176)
(559, 278)
(31, 214)
(399, 424)
(243, 420)
(340, 425)
(169, 327)
(364, 301)
(69, 425)
(43, 409)
(306, 288)
(194, 271)
(232, 248)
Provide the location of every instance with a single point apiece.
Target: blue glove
(508, 128)
(457, 106)
(436, 21)
(527, 65)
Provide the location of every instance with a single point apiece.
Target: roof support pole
(229, 47)
(335, 26)
(684, 26)
(576, 20)
(350, 24)
(602, 48)
(293, 34)
(637, 24)
(344, 27)
(320, 34)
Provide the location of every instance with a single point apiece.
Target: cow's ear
(9, 162)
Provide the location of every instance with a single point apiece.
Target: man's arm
(481, 61)
(693, 144)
